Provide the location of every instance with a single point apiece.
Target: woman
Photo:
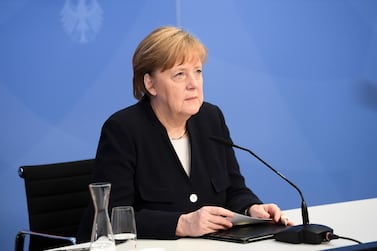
(157, 153)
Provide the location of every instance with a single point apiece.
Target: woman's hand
(206, 220)
(269, 211)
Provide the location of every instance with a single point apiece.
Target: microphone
(305, 233)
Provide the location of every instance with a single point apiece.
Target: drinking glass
(124, 227)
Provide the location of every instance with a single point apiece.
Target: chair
(57, 196)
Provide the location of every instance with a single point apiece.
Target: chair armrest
(20, 238)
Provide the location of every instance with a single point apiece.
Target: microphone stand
(305, 233)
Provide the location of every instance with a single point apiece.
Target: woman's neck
(174, 125)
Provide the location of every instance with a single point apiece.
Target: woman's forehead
(188, 54)
(190, 58)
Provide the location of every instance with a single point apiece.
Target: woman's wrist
(179, 231)
(246, 212)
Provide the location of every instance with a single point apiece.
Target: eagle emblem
(82, 19)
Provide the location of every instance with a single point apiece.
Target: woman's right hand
(203, 221)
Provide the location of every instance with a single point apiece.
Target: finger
(208, 227)
(260, 212)
(220, 217)
(278, 216)
(224, 221)
(220, 211)
(284, 220)
(219, 225)
(274, 212)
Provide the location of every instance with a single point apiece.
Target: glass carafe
(102, 235)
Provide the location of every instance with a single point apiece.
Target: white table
(354, 219)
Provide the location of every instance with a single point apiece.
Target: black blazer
(137, 157)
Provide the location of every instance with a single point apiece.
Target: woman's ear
(149, 84)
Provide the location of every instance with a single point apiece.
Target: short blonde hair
(161, 50)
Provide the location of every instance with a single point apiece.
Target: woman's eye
(179, 75)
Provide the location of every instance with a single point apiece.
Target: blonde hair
(161, 50)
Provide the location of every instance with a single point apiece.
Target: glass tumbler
(124, 227)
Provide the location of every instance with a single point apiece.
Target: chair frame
(69, 240)
(20, 238)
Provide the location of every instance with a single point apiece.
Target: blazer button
(193, 198)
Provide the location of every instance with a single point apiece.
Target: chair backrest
(57, 196)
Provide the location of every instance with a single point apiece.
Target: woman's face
(177, 92)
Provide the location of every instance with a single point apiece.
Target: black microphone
(305, 233)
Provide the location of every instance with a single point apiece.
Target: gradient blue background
(296, 80)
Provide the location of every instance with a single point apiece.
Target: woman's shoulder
(207, 104)
(208, 113)
(209, 109)
(128, 115)
(123, 113)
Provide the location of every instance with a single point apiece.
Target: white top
(182, 148)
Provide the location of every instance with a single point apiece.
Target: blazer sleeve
(115, 163)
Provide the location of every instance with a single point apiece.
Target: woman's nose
(193, 80)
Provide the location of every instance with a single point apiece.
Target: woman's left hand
(270, 211)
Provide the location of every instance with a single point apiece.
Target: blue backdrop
(296, 80)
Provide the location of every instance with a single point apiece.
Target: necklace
(177, 138)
